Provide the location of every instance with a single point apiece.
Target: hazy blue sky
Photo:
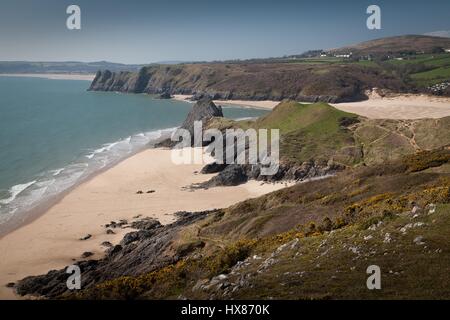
(133, 31)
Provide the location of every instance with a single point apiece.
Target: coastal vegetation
(321, 133)
(367, 191)
(313, 240)
(398, 64)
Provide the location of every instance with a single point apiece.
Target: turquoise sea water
(53, 133)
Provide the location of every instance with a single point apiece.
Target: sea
(55, 134)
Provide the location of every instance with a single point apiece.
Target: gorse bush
(229, 256)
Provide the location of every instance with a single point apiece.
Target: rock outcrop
(165, 95)
(140, 251)
(253, 81)
(203, 110)
(232, 175)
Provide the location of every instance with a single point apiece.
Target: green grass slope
(315, 241)
(319, 132)
(315, 131)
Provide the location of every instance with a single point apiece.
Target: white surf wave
(15, 191)
(24, 197)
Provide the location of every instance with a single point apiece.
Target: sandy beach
(53, 76)
(399, 107)
(265, 104)
(408, 106)
(52, 240)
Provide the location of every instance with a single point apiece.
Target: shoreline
(52, 76)
(263, 104)
(28, 215)
(51, 239)
(395, 106)
(41, 208)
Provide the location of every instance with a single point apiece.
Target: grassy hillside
(321, 132)
(421, 70)
(397, 44)
(315, 241)
(313, 131)
(301, 78)
(253, 81)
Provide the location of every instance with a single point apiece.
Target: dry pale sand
(400, 107)
(54, 76)
(52, 240)
(393, 107)
(265, 104)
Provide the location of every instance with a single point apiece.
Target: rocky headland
(384, 194)
(277, 81)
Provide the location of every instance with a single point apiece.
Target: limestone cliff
(252, 81)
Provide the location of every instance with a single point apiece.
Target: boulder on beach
(232, 175)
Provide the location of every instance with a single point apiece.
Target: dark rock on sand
(232, 175)
(135, 236)
(87, 254)
(146, 224)
(10, 285)
(213, 168)
(236, 174)
(109, 231)
(52, 283)
(86, 237)
(106, 244)
(150, 251)
(114, 224)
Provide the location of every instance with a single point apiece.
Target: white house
(347, 55)
(447, 50)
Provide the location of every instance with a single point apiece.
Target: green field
(431, 77)
(431, 68)
(427, 59)
(317, 60)
(423, 70)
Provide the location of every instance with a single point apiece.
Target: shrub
(326, 225)
(228, 257)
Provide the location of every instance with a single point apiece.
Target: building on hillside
(343, 55)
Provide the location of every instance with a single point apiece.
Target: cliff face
(253, 81)
(111, 81)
